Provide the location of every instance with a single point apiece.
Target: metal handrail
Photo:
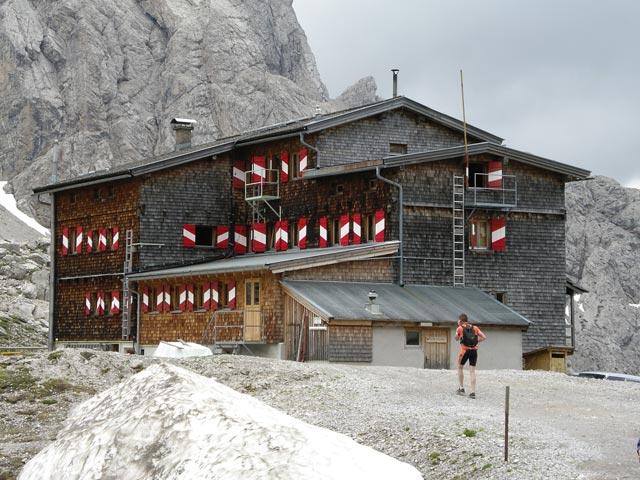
(506, 195)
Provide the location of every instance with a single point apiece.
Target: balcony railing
(503, 192)
(262, 184)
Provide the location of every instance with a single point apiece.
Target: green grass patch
(469, 433)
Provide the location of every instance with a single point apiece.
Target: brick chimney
(183, 128)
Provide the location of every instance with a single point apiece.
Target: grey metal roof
(277, 262)
(453, 152)
(411, 303)
(271, 132)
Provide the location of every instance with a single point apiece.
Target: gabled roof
(410, 303)
(454, 152)
(276, 262)
(272, 132)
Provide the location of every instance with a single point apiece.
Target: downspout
(52, 269)
(312, 148)
(401, 220)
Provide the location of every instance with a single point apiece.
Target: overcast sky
(556, 78)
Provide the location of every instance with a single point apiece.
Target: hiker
(469, 336)
(638, 449)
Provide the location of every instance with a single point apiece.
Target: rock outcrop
(106, 77)
(24, 286)
(603, 256)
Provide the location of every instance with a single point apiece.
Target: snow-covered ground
(9, 203)
(167, 422)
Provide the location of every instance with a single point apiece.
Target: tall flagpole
(464, 123)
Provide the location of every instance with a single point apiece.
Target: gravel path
(560, 427)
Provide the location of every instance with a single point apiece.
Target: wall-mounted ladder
(458, 231)
(126, 294)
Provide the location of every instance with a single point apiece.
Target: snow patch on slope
(9, 203)
(170, 423)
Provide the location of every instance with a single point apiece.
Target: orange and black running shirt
(463, 347)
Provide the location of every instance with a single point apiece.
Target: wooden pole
(506, 425)
(464, 125)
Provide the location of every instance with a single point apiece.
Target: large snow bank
(181, 349)
(169, 423)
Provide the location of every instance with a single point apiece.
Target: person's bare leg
(472, 377)
(460, 376)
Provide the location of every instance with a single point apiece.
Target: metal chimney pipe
(54, 164)
(395, 81)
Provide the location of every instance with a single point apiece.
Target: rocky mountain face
(603, 256)
(24, 286)
(106, 77)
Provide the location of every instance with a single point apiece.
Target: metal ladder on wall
(126, 294)
(458, 231)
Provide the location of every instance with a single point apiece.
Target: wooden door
(435, 343)
(253, 314)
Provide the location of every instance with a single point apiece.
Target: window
(411, 337)
(73, 198)
(368, 228)
(107, 304)
(373, 184)
(223, 295)
(339, 189)
(205, 235)
(334, 231)
(478, 175)
(72, 241)
(480, 235)
(397, 148)
(271, 236)
(252, 293)
(198, 297)
(499, 296)
(293, 234)
(294, 165)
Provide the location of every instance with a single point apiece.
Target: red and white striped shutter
(303, 160)
(282, 235)
(206, 296)
(357, 229)
(167, 298)
(65, 241)
(238, 174)
(495, 175)
(473, 232)
(87, 304)
(498, 234)
(215, 296)
(115, 238)
(240, 236)
(78, 245)
(302, 233)
(284, 163)
(115, 303)
(89, 241)
(188, 235)
(232, 294)
(145, 299)
(102, 239)
(222, 235)
(323, 232)
(160, 299)
(182, 302)
(100, 303)
(379, 226)
(259, 166)
(344, 230)
(190, 297)
(259, 243)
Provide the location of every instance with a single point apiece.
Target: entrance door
(253, 314)
(436, 347)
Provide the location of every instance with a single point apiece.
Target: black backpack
(469, 336)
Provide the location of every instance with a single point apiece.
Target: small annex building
(270, 241)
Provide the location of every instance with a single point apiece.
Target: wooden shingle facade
(189, 226)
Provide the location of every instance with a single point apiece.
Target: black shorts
(471, 355)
